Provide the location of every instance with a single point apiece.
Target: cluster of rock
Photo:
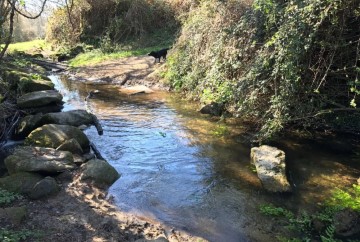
(53, 144)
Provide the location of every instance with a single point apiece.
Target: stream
(192, 172)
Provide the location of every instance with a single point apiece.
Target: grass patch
(28, 47)
(96, 56)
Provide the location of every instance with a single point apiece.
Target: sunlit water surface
(193, 173)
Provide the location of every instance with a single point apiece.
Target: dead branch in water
(88, 109)
(96, 151)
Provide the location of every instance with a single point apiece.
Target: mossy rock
(22, 182)
(54, 135)
(26, 125)
(44, 188)
(26, 85)
(39, 159)
(14, 214)
(39, 99)
(72, 146)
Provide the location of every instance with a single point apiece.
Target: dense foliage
(273, 62)
(110, 22)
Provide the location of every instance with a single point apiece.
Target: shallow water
(192, 172)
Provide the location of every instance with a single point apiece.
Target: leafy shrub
(16, 236)
(7, 197)
(347, 199)
(275, 63)
(109, 22)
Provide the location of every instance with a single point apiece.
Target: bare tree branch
(27, 16)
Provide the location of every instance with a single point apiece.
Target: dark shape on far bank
(158, 54)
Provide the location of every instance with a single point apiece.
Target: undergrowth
(302, 224)
(274, 63)
(7, 197)
(17, 235)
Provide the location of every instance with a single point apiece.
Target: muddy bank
(78, 212)
(126, 72)
(81, 212)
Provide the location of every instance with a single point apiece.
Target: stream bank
(79, 210)
(186, 170)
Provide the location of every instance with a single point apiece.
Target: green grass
(27, 47)
(96, 56)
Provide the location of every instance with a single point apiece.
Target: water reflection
(191, 172)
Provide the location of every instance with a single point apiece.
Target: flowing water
(192, 172)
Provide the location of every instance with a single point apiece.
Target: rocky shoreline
(63, 184)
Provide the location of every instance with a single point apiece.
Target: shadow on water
(191, 172)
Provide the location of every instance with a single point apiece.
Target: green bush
(350, 198)
(275, 63)
(7, 197)
(16, 236)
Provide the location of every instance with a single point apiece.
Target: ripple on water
(186, 171)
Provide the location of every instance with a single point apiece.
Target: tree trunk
(11, 29)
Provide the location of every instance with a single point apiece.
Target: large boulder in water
(214, 109)
(100, 172)
(39, 99)
(270, 167)
(54, 135)
(39, 159)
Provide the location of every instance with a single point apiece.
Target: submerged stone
(270, 167)
(214, 109)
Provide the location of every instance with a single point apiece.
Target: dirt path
(127, 72)
(82, 213)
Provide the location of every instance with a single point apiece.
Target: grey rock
(72, 146)
(22, 182)
(27, 125)
(44, 188)
(28, 85)
(99, 172)
(270, 166)
(214, 109)
(73, 118)
(54, 135)
(347, 223)
(39, 99)
(38, 159)
(14, 214)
